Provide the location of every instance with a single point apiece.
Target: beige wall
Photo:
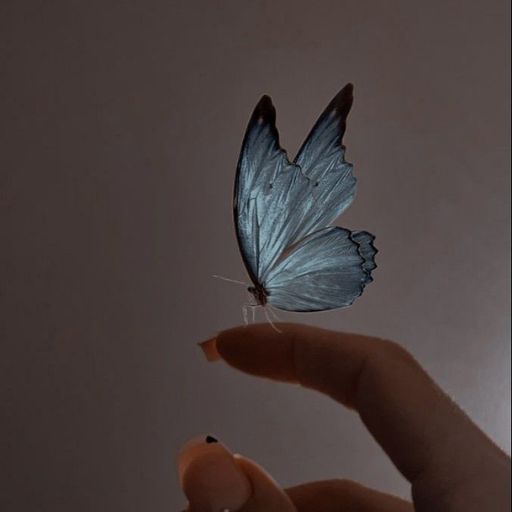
(121, 124)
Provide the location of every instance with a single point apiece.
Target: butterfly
(283, 213)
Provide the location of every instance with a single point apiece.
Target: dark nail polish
(211, 439)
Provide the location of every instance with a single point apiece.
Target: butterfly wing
(322, 160)
(268, 190)
(277, 202)
(328, 269)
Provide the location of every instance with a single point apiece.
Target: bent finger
(420, 428)
(213, 479)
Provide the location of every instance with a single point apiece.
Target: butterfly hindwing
(326, 270)
(367, 250)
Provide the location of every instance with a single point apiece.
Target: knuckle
(395, 351)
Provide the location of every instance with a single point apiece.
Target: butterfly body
(283, 213)
(259, 293)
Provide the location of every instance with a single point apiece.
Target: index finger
(419, 427)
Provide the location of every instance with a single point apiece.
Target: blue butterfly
(283, 211)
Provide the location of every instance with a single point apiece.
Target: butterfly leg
(269, 320)
(253, 311)
(244, 314)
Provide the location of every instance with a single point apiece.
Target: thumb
(215, 480)
(266, 495)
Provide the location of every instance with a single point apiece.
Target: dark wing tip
(265, 100)
(342, 102)
(264, 112)
(339, 107)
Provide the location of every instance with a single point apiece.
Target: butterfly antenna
(269, 320)
(230, 280)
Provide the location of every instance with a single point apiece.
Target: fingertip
(210, 477)
(209, 348)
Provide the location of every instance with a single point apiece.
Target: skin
(450, 463)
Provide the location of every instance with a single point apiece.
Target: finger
(336, 495)
(266, 495)
(215, 480)
(414, 421)
(210, 478)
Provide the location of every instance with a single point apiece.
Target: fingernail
(209, 348)
(211, 479)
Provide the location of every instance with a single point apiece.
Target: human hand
(450, 463)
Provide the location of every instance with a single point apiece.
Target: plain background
(121, 127)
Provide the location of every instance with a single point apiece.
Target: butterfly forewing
(267, 188)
